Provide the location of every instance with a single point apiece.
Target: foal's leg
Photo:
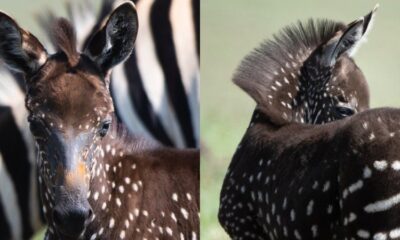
(237, 214)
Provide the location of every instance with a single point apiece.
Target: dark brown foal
(97, 181)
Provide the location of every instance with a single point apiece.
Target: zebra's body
(19, 202)
(140, 91)
(156, 89)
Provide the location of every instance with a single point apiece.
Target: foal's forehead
(71, 91)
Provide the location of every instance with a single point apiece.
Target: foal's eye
(105, 126)
(345, 111)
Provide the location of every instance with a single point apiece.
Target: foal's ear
(349, 39)
(114, 42)
(19, 49)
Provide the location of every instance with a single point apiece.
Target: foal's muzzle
(71, 221)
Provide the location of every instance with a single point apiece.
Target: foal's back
(325, 182)
(144, 190)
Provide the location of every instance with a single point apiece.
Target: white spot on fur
(383, 205)
(380, 165)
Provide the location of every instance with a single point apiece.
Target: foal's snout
(71, 220)
(72, 210)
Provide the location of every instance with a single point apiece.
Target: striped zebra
(155, 93)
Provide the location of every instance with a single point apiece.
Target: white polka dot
(185, 213)
(122, 234)
(127, 180)
(188, 196)
(96, 196)
(118, 202)
(380, 236)
(380, 165)
(367, 172)
(175, 197)
(174, 217)
(112, 223)
(169, 231)
(363, 234)
(396, 165)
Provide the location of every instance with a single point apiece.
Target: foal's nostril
(90, 213)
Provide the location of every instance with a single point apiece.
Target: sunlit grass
(39, 235)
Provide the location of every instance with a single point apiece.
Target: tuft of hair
(64, 39)
(82, 15)
(279, 60)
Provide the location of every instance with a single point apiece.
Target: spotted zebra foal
(315, 162)
(97, 181)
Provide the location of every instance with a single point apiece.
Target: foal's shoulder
(161, 158)
(371, 128)
(177, 157)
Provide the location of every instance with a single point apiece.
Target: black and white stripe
(19, 201)
(166, 48)
(156, 93)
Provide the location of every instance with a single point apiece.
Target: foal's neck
(119, 152)
(116, 187)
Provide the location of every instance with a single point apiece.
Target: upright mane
(64, 39)
(270, 73)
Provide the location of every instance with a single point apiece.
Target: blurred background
(25, 12)
(230, 29)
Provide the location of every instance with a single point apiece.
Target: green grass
(39, 235)
(229, 30)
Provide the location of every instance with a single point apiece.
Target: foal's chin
(70, 236)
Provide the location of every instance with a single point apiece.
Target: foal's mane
(281, 58)
(63, 37)
(47, 21)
